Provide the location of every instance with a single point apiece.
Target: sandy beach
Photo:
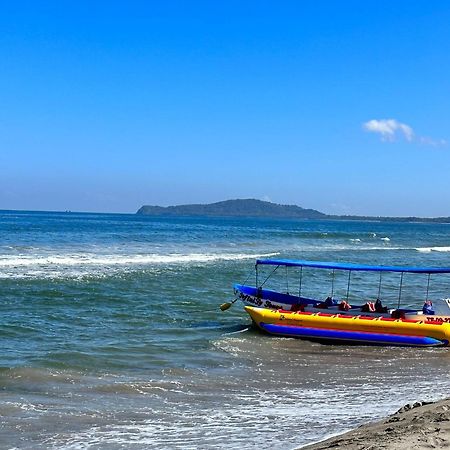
(421, 425)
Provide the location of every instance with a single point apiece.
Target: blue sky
(338, 106)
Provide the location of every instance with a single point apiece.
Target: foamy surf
(108, 260)
(433, 249)
(88, 263)
(226, 418)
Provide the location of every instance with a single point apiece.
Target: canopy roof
(349, 266)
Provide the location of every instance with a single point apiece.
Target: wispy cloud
(392, 130)
(389, 129)
(424, 140)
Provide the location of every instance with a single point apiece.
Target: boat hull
(362, 330)
(261, 298)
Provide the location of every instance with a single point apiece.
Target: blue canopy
(349, 266)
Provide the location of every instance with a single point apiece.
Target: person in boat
(298, 307)
(428, 308)
(398, 314)
(329, 301)
(368, 307)
(379, 307)
(344, 306)
(375, 306)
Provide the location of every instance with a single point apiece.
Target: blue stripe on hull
(355, 336)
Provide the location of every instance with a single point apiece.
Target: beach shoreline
(419, 425)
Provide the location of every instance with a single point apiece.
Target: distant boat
(337, 321)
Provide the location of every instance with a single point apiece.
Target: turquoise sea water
(111, 335)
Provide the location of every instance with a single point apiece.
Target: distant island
(260, 208)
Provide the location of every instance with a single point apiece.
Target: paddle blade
(225, 306)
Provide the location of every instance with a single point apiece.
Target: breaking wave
(108, 260)
(76, 265)
(433, 249)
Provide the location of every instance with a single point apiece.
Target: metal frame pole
(300, 283)
(428, 286)
(287, 281)
(400, 291)
(332, 283)
(379, 288)
(348, 283)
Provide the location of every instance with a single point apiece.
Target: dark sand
(420, 425)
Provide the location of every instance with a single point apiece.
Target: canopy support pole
(300, 284)
(287, 281)
(400, 291)
(428, 286)
(379, 288)
(332, 284)
(348, 284)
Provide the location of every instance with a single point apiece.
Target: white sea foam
(26, 406)
(386, 239)
(248, 418)
(433, 249)
(236, 332)
(344, 247)
(111, 260)
(355, 240)
(81, 264)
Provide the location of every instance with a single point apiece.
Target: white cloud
(391, 130)
(433, 142)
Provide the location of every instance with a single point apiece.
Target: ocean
(112, 337)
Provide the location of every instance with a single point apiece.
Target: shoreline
(420, 425)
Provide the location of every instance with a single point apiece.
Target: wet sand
(421, 425)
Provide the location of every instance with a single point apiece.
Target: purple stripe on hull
(355, 336)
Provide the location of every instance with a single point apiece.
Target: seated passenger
(329, 301)
(379, 307)
(368, 307)
(398, 314)
(428, 308)
(344, 306)
(298, 307)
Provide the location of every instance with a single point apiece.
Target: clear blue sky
(106, 106)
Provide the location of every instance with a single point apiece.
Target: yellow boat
(342, 328)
